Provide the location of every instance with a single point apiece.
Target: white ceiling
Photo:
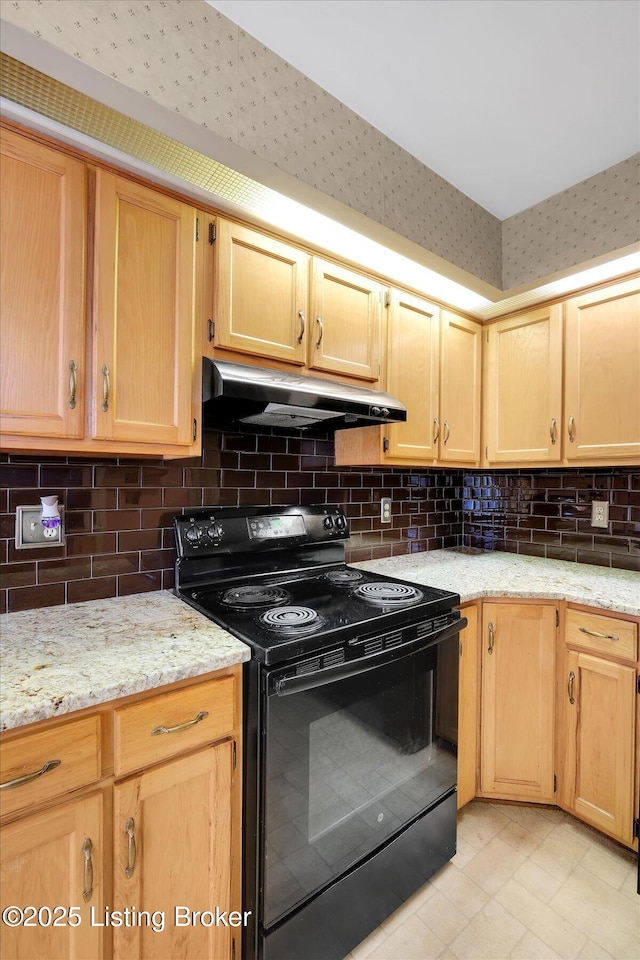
(509, 100)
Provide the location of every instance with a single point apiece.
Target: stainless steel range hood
(236, 393)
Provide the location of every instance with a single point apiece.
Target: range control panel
(215, 530)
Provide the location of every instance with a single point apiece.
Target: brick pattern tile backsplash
(119, 513)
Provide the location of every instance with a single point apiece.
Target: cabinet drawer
(614, 638)
(76, 747)
(171, 723)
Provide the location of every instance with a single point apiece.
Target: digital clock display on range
(271, 528)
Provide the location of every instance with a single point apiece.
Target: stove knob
(376, 411)
(341, 523)
(384, 412)
(212, 532)
(328, 522)
(193, 534)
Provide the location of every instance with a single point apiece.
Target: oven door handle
(285, 686)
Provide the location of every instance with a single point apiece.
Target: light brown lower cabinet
(468, 707)
(518, 701)
(597, 722)
(143, 861)
(51, 868)
(172, 851)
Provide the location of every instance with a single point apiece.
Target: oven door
(353, 754)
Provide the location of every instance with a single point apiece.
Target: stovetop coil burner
(254, 596)
(291, 620)
(344, 578)
(385, 594)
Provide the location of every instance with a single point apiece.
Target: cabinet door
(55, 859)
(346, 310)
(597, 740)
(412, 376)
(172, 833)
(602, 371)
(260, 295)
(524, 388)
(468, 707)
(42, 362)
(518, 695)
(145, 276)
(460, 372)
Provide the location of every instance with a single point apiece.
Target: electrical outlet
(385, 510)
(31, 533)
(600, 513)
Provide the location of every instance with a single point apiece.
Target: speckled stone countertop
(59, 659)
(475, 574)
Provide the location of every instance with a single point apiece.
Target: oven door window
(350, 763)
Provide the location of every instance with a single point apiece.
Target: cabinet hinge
(235, 755)
(212, 331)
(638, 684)
(487, 336)
(387, 298)
(194, 433)
(197, 228)
(212, 232)
(557, 618)
(385, 444)
(486, 452)
(555, 783)
(636, 829)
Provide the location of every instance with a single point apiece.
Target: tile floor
(529, 883)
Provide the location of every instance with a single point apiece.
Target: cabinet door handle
(28, 777)
(105, 388)
(446, 431)
(73, 383)
(572, 429)
(181, 726)
(600, 636)
(321, 325)
(129, 829)
(436, 430)
(492, 638)
(552, 430)
(301, 335)
(87, 893)
(572, 677)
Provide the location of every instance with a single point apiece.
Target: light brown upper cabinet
(144, 315)
(261, 293)
(44, 211)
(345, 333)
(523, 388)
(126, 379)
(433, 367)
(602, 374)
(562, 396)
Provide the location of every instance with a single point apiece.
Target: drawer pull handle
(105, 388)
(600, 636)
(572, 677)
(129, 829)
(28, 777)
(572, 429)
(436, 430)
(552, 430)
(446, 431)
(181, 726)
(302, 325)
(321, 325)
(492, 638)
(87, 893)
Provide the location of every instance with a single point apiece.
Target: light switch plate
(600, 513)
(385, 510)
(30, 532)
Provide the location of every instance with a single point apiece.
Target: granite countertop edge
(58, 660)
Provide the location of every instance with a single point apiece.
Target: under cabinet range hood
(234, 393)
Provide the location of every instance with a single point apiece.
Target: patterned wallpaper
(590, 218)
(190, 59)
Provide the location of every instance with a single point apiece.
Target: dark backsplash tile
(120, 514)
